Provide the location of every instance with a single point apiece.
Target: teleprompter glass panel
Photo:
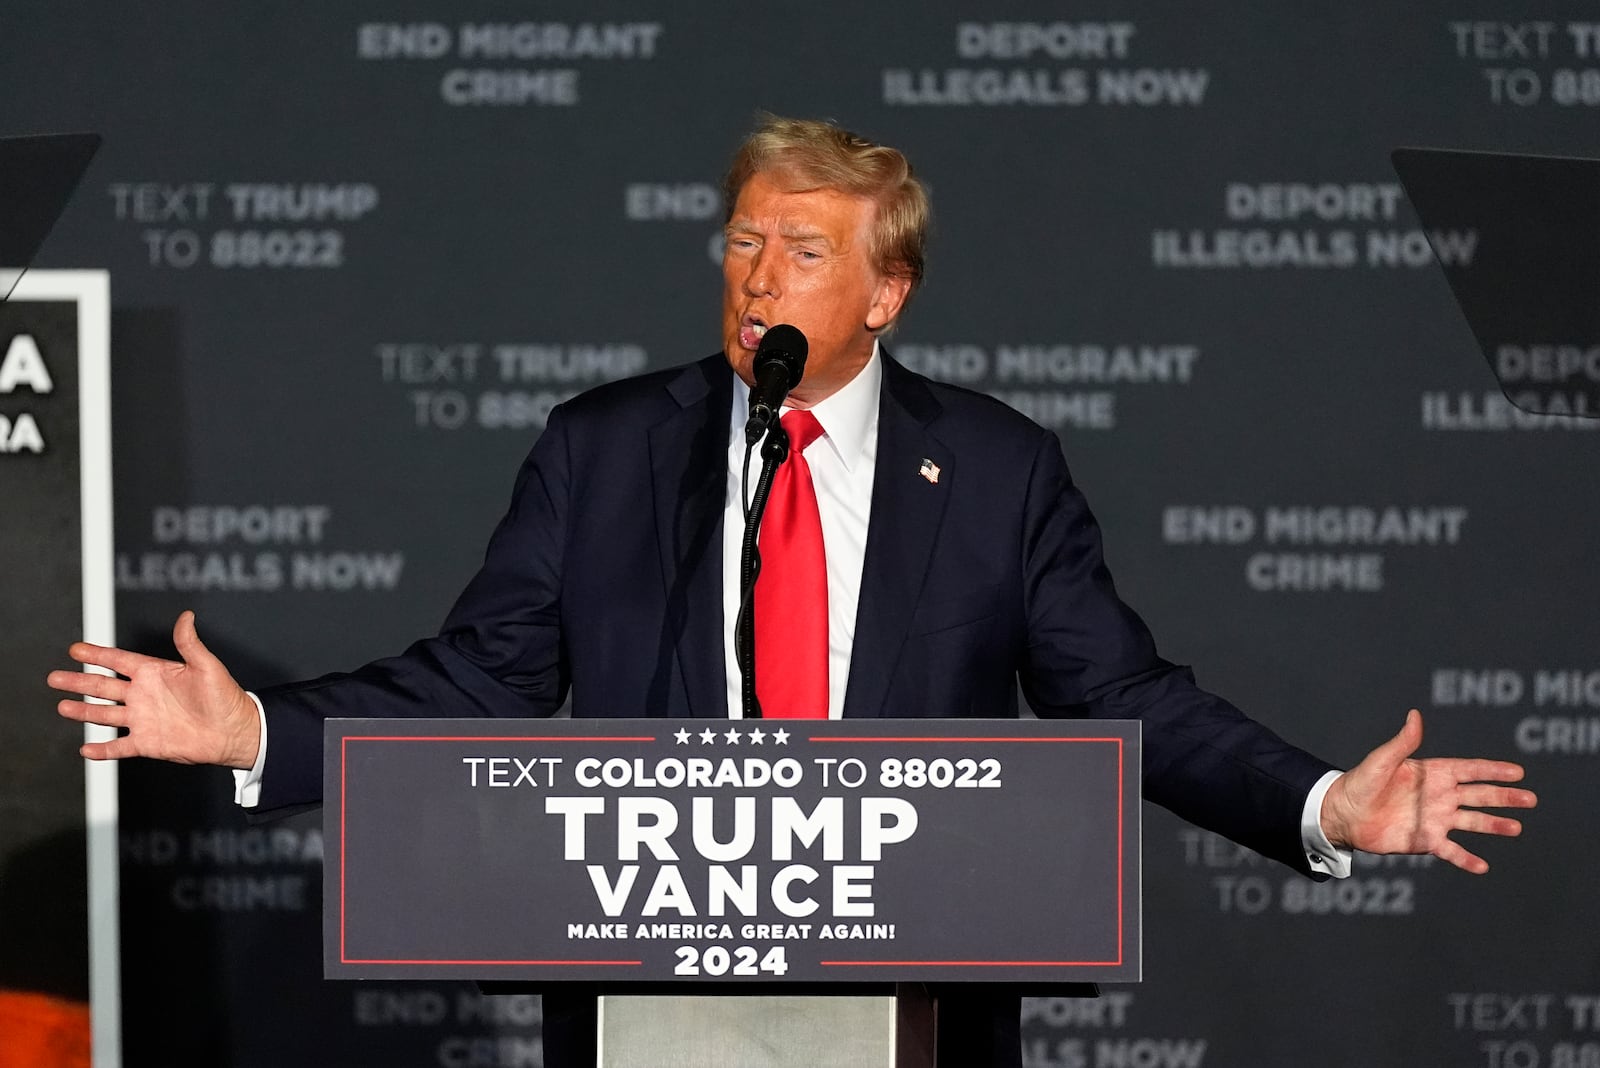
(37, 177)
(1518, 238)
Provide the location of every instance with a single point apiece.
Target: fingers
(184, 636)
(1402, 745)
(89, 684)
(1411, 733)
(119, 660)
(1486, 823)
(104, 715)
(187, 639)
(1452, 853)
(1465, 770)
(116, 749)
(1482, 795)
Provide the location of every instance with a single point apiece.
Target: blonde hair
(807, 154)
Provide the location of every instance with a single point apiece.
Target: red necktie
(792, 590)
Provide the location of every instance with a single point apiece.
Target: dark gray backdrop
(318, 490)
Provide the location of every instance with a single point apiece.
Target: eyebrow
(788, 233)
(792, 234)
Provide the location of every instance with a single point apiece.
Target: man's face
(804, 259)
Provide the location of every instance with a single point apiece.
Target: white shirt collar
(849, 417)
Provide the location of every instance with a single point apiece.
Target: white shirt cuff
(247, 784)
(1321, 854)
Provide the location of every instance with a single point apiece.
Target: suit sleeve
(499, 652)
(1089, 654)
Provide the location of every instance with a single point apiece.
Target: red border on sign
(1121, 953)
(344, 777)
(501, 962)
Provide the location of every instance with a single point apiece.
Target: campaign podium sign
(624, 851)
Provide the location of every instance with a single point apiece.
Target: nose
(762, 279)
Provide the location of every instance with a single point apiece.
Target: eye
(808, 255)
(742, 242)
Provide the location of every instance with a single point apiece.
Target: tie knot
(802, 428)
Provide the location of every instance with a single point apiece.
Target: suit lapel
(907, 510)
(688, 466)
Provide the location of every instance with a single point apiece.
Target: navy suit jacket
(605, 578)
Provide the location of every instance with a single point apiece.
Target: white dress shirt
(842, 464)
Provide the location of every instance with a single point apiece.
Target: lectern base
(764, 1031)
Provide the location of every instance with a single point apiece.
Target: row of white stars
(731, 736)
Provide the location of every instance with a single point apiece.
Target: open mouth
(751, 330)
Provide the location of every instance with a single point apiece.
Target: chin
(739, 360)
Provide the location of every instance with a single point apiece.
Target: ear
(889, 297)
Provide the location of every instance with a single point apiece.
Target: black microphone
(780, 360)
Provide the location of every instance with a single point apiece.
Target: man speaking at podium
(925, 551)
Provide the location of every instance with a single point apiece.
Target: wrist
(1331, 816)
(245, 740)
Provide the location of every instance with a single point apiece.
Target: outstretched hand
(1392, 803)
(189, 713)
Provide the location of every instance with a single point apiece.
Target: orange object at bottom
(40, 1031)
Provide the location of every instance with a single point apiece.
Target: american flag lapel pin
(929, 470)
